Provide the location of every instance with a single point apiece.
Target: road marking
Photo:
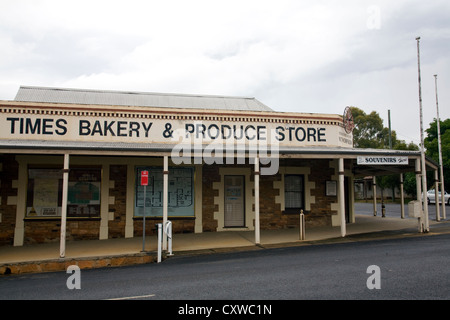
(135, 297)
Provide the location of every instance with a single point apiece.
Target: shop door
(234, 201)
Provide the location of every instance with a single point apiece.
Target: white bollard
(169, 237)
(159, 242)
(302, 225)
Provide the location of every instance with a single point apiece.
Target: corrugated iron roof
(137, 99)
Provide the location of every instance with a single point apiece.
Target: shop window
(294, 195)
(180, 192)
(44, 194)
(83, 199)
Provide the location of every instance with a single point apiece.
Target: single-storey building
(71, 163)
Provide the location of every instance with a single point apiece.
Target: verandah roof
(144, 149)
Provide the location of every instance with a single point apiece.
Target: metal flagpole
(441, 165)
(422, 149)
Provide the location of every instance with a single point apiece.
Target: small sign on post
(144, 183)
(144, 178)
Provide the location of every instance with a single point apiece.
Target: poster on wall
(44, 192)
(180, 198)
(331, 188)
(83, 198)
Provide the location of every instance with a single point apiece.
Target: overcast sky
(301, 56)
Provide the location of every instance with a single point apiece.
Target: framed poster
(331, 188)
(180, 197)
(44, 192)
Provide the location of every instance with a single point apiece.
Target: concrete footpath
(121, 252)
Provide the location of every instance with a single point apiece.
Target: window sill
(294, 211)
(160, 218)
(59, 218)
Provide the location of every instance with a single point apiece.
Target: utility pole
(390, 132)
(441, 165)
(422, 148)
(390, 147)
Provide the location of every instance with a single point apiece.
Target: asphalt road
(409, 268)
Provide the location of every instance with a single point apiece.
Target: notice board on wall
(180, 192)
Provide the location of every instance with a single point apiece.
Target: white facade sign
(17, 126)
(382, 160)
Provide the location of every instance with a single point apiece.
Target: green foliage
(369, 132)
(368, 129)
(432, 150)
(409, 183)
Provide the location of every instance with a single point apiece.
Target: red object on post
(144, 178)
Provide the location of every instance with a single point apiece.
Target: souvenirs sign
(382, 160)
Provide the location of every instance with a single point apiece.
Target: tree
(409, 183)
(432, 150)
(369, 132)
(368, 129)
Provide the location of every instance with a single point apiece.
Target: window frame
(154, 211)
(58, 180)
(291, 210)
